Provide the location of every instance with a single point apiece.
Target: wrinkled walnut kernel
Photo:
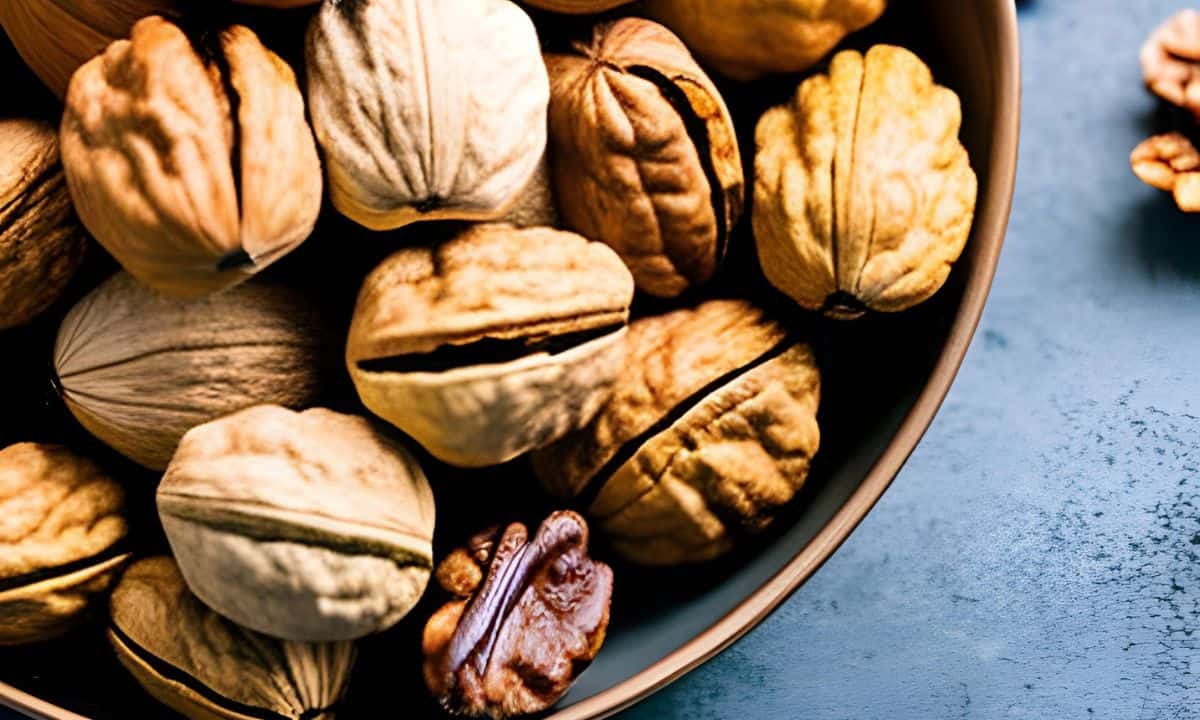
(1170, 162)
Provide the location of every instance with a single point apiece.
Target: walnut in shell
(138, 369)
(1171, 61)
(643, 154)
(426, 110)
(1170, 162)
(577, 7)
(744, 39)
(41, 241)
(532, 615)
(709, 432)
(493, 343)
(304, 526)
(205, 667)
(863, 196)
(61, 532)
(189, 159)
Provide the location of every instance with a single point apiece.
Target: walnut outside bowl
(665, 623)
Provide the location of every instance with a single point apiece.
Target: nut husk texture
(305, 526)
(138, 370)
(61, 527)
(41, 240)
(205, 667)
(426, 110)
(194, 170)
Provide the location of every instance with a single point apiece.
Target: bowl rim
(752, 610)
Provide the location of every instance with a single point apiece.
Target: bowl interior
(883, 378)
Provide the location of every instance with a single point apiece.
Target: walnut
(1171, 61)
(1170, 162)
(709, 432)
(55, 37)
(41, 241)
(864, 196)
(423, 115)
(748, 38)
(643, 154)
(577, 7)
(193, 165)
(532, 622)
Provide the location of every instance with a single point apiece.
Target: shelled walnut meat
(426, 110)
(531, 615)
(863, 195)
(41, 241)
(205, 667)
(61, 530)
(303, 526)
(710, 430)
(189, 158)
(748, 38)
(493, 343)
(1170, 162)
(1171, 61)
(139, 370)
(643, 154)
(577, 7)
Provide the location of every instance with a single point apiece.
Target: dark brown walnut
(1170, 162)
(531, 616)
(55, 37)
(643, 154)
(1171, 61)
(190, 158)
(41, 240)
(62, 527)
(709, 432)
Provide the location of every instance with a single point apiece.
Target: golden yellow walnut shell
(493, 343)
(55, 37)
(194, 172)
(744, 39)
(206, 668)
(710, 430)
(139, 370)
(1170, 162)
(643, 154)
(426, 110)
(61, 524)
(41, 240)
(863, 195)
(577, 7)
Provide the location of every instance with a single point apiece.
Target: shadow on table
(1167, 240)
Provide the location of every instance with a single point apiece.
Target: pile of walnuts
(579, 275)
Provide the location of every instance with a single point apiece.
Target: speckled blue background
(1039, 555)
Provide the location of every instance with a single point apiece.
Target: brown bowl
(666, 623)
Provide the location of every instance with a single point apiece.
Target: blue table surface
(1038, 555)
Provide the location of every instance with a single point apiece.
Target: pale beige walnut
(138, 370)
(303, 526)
(864, 197)
(644, 156)
(41, 240)
(1171, 61)
(1170, 162)
(426, 110)
(61, 524)
(745, 39)
(709, 432)
(493, 343)
(207, 668)
(194, 170)
(577, 7)
(55, 37)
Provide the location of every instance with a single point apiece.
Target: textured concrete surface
(1038, 556)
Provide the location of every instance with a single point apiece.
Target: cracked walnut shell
(744, 39)
(532, 614)
(206, 668)
(643, 154)
(493, 343)
(1170, 162)
(189, 159)
(864, 196)
(41, 240)
(304, 526)
(708, 433)
(426, 110)
(61, 533)
(1171, 61)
